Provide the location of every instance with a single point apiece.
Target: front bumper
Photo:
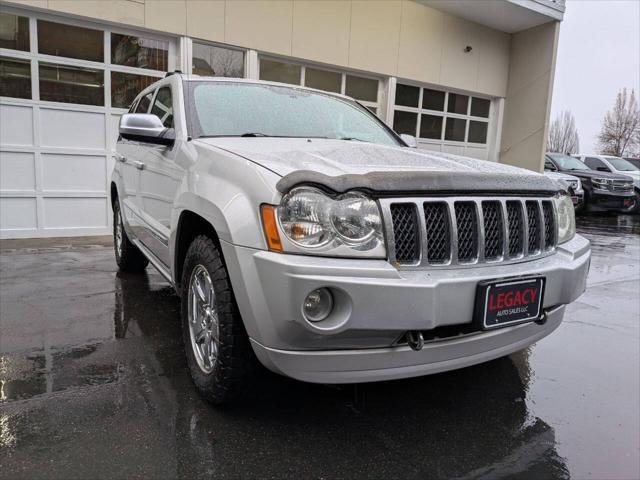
(376, 304)
(607, 200)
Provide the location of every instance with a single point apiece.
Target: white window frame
(343, 84)
(106, 67)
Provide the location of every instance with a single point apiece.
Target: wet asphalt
(93, 384)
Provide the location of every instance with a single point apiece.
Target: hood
(560, 176)
(379, 167)
(589, 174)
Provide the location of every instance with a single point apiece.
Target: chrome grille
(462, 231)
(438, 236)
(467, 223)
(405, 232)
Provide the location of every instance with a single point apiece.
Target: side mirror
(603, 169)
(410, 140)
(144, 127)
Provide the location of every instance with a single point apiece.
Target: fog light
(318, 305)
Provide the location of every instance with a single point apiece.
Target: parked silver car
(300, 230)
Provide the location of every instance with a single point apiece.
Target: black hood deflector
(427, 182)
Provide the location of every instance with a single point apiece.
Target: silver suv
(304, 234)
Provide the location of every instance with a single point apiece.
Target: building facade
(465, 77)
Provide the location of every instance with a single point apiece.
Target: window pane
(431, 127)
(407, 96)
(145, 103)
(455, 129)
(15, 78)
(480, 107)
(457, 103)
(362, 88)
(217, 61)
(323, 80)
(126, 86)
(139, 52)
(279, 72)
(70, 41)
(433, 99)
(477, 132)
(61, 83)
(14, 32)
(163, 107)
(373, 110)
(405, 122)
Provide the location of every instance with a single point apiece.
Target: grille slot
(405, 232)
(467, 223)
(549, 225)
(436, 216)
(467, 230)
(493, 230)
(533, 220)
(516, 235)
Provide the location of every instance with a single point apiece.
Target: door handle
(138, 165)
(120, 158)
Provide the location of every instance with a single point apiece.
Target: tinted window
(431, 126)
(407, 96)
(15, 32)
(433, 99)
(15, 78)
(235, 109)
(323, 80)
(480, 107)
(217, 61)
(282, 72)
(548, 164)
(139, 52)
(145, 103)
(70, 41)
(365, 89)
(477, 132)
(163, 107)
(405, 122)
(622, 164)
(593, 163)
(63, 83)
(457, 103)
(454, 129)
(125, 87)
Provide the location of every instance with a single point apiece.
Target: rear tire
(219, 355)
(128, 257)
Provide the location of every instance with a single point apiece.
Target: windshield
(255, 110)
(565, 162)
(622, 165)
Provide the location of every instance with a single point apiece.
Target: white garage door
(445, 121)
(63, 86)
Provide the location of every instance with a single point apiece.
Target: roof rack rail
(179, 72)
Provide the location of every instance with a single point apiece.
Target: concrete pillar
(528, 102)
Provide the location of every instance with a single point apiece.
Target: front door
(159, 181)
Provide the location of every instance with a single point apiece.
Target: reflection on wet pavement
(93, 384)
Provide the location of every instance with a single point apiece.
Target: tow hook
(542, 319)
(415, 340)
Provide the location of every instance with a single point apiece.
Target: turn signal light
(270, 227)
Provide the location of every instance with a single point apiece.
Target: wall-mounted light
(468, 48)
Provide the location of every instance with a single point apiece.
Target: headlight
(566, 218)
(346, 225)
(600, 183)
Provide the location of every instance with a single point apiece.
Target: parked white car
(571, 184)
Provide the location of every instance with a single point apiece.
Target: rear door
(159, 180)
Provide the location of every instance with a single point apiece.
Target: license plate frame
(487, 295)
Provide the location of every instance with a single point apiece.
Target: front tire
(128, 257)
(217, 347)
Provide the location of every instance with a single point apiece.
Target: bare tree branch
(563, 136)
(620, 132)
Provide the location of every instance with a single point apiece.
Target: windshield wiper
(255, 134)
(355, 139)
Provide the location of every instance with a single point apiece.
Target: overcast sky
(598, 54)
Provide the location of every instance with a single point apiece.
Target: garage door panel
(73, 172)
(16, 125)
(61, 212)
(455, 149)
(72, 129)
(477, 152)
(18, 213)
(17, 171)
(113, 136)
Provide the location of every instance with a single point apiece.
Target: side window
(593, 163)
(548, 165)
(133, 106)
(143, 104)
(163, 107)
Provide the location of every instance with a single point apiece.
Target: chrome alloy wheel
(203, 319)
(119, 233)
